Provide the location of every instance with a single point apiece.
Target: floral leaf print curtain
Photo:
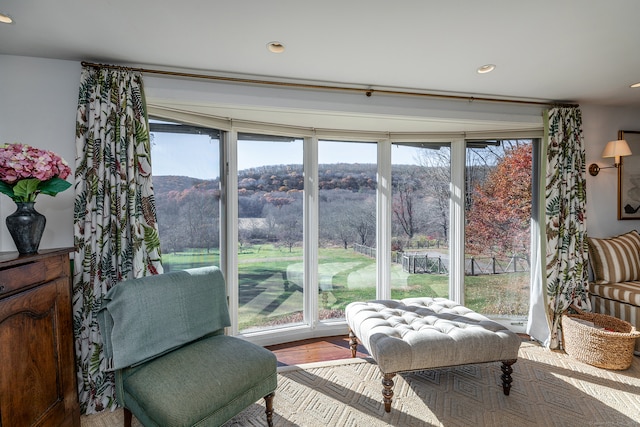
(115, 229)
(565, 224)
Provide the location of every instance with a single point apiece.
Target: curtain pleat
(115, 228)
(538, 325)
(564, 278)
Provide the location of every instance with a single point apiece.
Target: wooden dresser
(37, 366)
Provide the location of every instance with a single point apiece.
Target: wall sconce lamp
(615, 149)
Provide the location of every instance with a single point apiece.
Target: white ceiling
(582, 51)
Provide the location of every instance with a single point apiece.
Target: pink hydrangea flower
(22, 162)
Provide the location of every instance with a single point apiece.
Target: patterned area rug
(549, 388)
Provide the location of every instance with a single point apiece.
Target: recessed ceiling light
(635, 85)
(5, 19)
(275, 47)
(486, 69)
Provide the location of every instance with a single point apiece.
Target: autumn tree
(499, 215)
(334, 218)
(189, 218)
(406, 193)
(362, 218)
(437, 165)
(289, 227)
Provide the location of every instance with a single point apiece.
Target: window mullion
(231, 244)
(383, 222)
(310, 236)
(456, 221)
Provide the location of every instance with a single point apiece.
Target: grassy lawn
(184, 260)
(271, 289)
(499, 294)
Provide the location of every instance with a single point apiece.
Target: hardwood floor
(315, 350)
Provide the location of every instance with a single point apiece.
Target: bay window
(304, 222)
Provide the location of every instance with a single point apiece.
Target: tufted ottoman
(417, 334)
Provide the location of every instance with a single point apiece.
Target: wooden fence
(421, 263)
(424, 264)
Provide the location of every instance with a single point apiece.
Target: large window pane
(497, 233)
(420, 220)
(270, 228)
(347, 225)
(186, 181)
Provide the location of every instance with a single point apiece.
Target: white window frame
(312, 327)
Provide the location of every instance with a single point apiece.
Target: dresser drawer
(29, 274)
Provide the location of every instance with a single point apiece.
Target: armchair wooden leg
(127, 417)
(268, 400)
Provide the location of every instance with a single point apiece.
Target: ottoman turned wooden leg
(353, 343)
(387, 391)
(506, 375)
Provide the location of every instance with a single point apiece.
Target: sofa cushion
(152, 315)
(616, 259)
(625, 292)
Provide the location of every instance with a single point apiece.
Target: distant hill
(166, 183)
(352, 177)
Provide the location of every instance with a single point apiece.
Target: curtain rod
(367, 92)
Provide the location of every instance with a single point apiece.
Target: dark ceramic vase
(26, 226)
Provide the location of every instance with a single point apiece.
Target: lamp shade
(616, 149)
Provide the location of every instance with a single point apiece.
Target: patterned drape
(565, 206)
(115, 230)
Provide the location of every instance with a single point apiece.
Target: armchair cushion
(157, 314)
(182, 388)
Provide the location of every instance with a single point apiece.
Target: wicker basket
(609, 348)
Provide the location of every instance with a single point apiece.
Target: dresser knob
(1, 288)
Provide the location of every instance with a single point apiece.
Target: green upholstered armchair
(164, 338)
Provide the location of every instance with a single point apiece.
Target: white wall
(38, 100)
(601, 125)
